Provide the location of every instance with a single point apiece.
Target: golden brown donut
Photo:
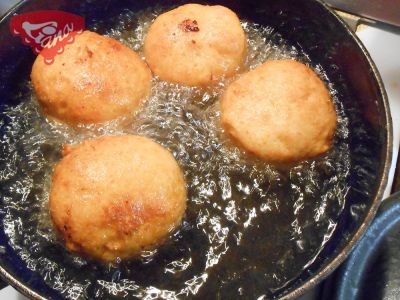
(280, 112)
(94, 80)
(115, 196)
(195, 45)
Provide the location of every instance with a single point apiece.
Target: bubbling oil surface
(249, 229)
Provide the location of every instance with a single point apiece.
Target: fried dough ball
(280, 112)
(95, 79)
(195, 45)
(115, 196)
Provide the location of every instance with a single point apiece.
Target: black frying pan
(304, 24)
(368, 272)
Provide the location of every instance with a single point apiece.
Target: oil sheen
(249, 228)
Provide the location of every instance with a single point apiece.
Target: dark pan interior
(307, 25)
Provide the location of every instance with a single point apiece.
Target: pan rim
(332, 265)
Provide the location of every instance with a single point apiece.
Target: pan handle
(353, 271)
